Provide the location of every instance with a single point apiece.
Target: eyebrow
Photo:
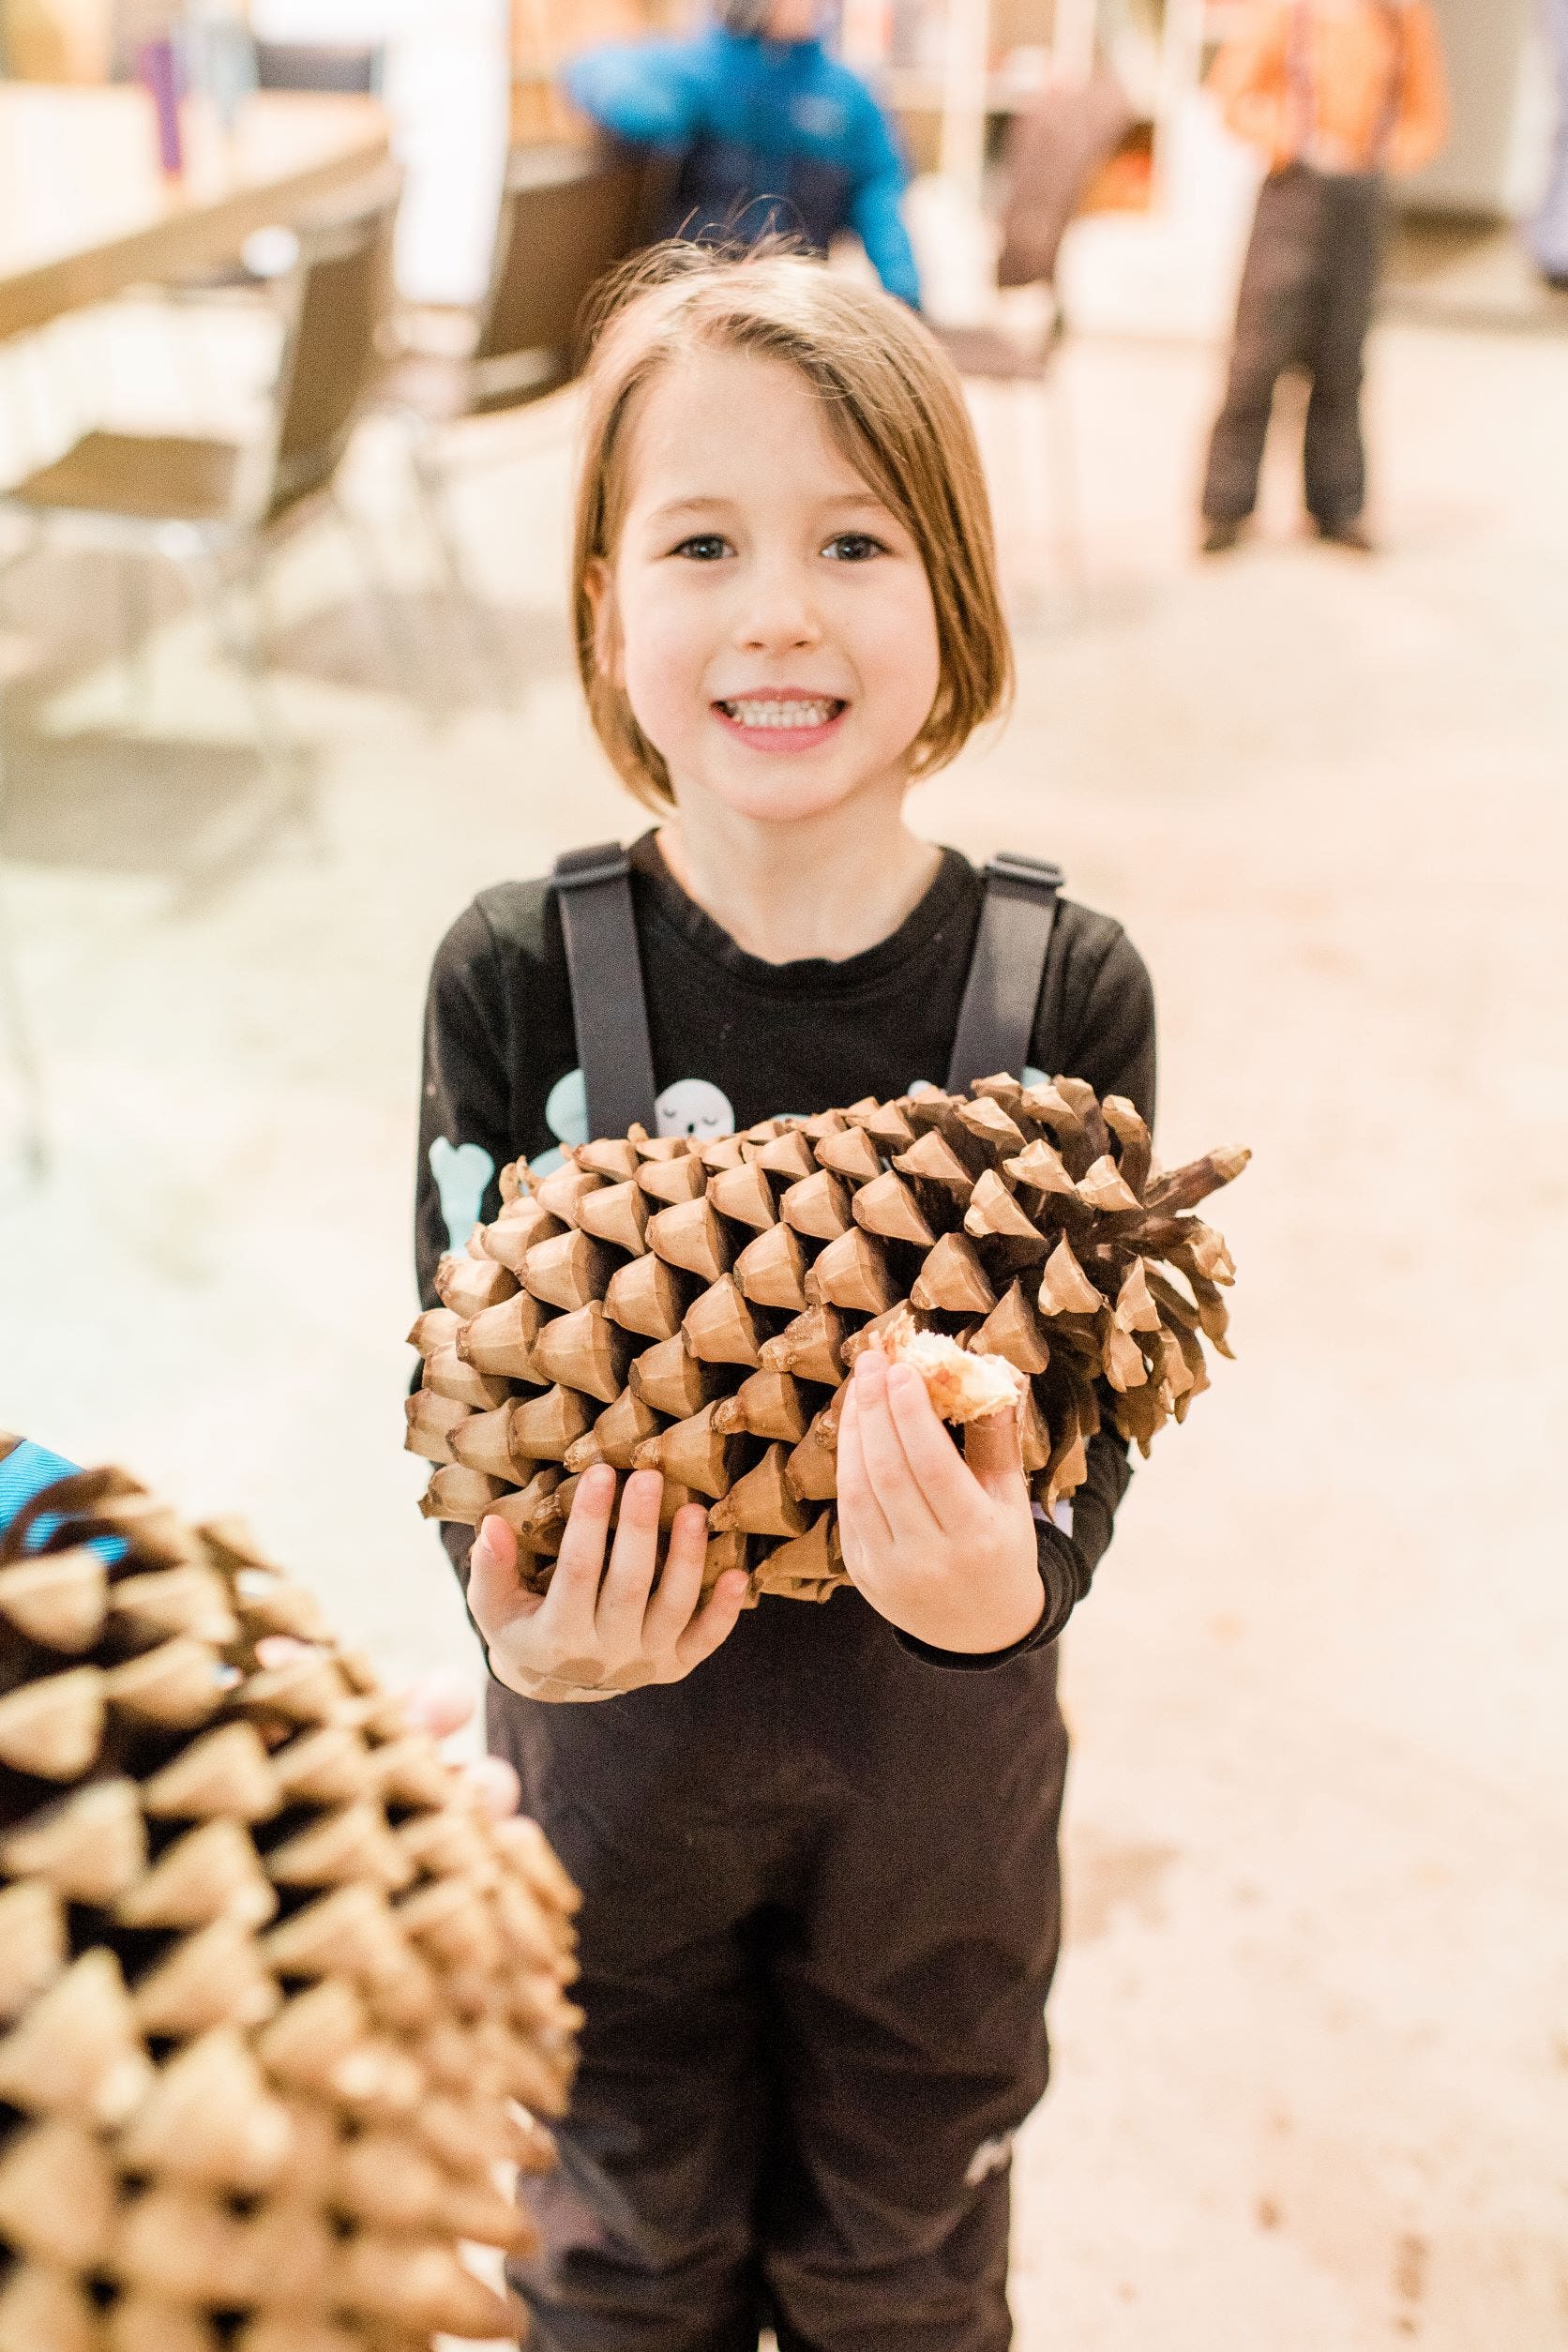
(854, 500)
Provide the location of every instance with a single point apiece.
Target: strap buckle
(581, 869)
(1035, 873)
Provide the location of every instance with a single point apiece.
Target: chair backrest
(311, 66)
(1053, 150)
(336, 301)
(567, 215)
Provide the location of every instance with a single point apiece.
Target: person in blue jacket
(771, 133)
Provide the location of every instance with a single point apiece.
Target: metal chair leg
(240, 623)
(135, 622)
(399, 644)
(1021, 406)
(30, 1145)
(1071, 537)
(430, 489)
(31, 532)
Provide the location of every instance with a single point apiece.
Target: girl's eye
(853, 547)
(706, 547)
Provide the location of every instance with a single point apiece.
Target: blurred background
(288, 304)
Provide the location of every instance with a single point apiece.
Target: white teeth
(780, 713)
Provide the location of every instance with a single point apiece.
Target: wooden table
(85, 210)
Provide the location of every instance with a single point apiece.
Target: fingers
(496, 1595)
(276, 1649)
(861, 1517)
(622, 1599)
(993, 1453)
(496, 1785)
(715, 1622)
(903, 1504)
(440, 1702)
(679, 1587)
(574, 1589)
(942, 1473)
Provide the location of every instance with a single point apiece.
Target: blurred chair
(216, 506)
(567, 217)
(314, 65)
(1055, 150)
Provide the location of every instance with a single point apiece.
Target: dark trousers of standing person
(1307, 301)
(820, 1922)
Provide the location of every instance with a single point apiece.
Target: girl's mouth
(781, 722)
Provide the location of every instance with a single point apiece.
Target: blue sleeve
(644, 90)
(25, 1471)
(876, 213)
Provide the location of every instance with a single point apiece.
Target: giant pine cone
(270, 1980)
(694, 1307)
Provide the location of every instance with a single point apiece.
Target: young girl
(817, 1846)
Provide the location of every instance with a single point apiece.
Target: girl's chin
(785, 800)
(721, 774)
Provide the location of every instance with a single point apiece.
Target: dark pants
(1307, 291)
(820, 1919)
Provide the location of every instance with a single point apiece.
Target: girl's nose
(778, 614)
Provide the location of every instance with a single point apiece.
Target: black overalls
(813, 2023)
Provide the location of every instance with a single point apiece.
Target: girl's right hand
(588, 1639)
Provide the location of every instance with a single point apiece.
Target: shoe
(1221, 537)
(1351, 533)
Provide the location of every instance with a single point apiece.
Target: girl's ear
(599, 590)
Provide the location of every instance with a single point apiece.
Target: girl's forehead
(734, 418)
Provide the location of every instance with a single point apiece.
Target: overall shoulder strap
(608, 1009)
(1007, 970)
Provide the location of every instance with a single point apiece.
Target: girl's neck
(833, 886)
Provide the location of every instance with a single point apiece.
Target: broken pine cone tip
(695, 1306)
(281, 2010)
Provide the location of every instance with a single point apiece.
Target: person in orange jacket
(1338, 95)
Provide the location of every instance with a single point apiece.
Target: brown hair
(894, 405)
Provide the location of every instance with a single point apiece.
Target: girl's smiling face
(768, 619)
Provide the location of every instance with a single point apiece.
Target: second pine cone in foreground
(660, 1302)
(270, 1979)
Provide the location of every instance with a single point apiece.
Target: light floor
(1311, 2049)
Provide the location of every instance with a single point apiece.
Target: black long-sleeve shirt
(735, 1040)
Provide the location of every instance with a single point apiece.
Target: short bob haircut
(894, 405)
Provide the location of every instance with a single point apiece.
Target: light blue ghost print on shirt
(462, 1171)
(690, 1107)
(566, 1117)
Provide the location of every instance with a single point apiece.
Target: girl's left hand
(941, 1544)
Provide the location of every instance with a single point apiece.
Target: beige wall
(1020, 24)
(57, 41)
(1496, 159)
